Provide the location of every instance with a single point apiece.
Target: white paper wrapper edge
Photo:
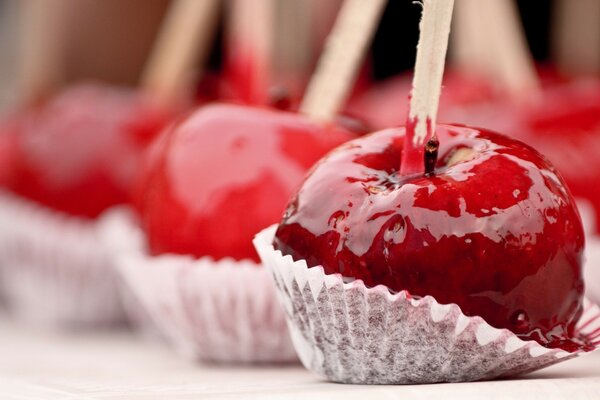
(53, 270)
(223, 311)
(350, 333)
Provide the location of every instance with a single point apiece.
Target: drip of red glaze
(413, 155)
(245, 74)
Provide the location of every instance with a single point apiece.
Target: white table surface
(37, 364)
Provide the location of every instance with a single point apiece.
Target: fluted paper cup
(53, 269)
(221, 311)
(349, 333)
(117, 241)
(592, 268)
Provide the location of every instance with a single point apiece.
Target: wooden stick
(184, 39)
(292, 42)
(576, 36)
(490, 40)
(467, 43)
(42, 48)
(427, 82)
(250, 48)
(323, 15)
(507, 48)
(344, 50)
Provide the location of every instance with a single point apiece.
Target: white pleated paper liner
(592, 268)
(353, 334)
(116, 242)
(220, 311)
(53, 270)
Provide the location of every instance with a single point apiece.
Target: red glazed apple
(7, 150)
(79, 153)
(493, 228)
(565, 127)
(225, 173)
(563, 123)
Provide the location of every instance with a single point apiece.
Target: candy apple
(8, 129)
(223, 174)
(382, 104)
(79, 152)
(491, 227)
(563, 123)
(565, 126)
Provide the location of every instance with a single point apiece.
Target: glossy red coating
(496, 233)
(80, 152)
(8, 130)
(225, 173)
(565, 127)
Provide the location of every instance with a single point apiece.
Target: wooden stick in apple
(427, 87)
(576, 36)
(292, 47)
(42, 44)
(184, 39)
(345, 47)
(499, 46)
(508, 48)
(468, 51)
(250, 45)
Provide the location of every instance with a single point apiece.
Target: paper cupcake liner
(118, 241)
(223, 311)
(591, 268)
(53, 270)
(353, 334)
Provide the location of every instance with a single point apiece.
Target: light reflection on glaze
(495, 234)
(224, 174)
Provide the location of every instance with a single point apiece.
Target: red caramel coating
(7, 150)
(80, 152)
(498, 233)
(225, 173)
(565, 127)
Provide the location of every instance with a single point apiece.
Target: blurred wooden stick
(494, 41)
(344, 51)
(467, 43)
(184, 40)
(250, 48)
(42, 47)
(576, 36)
(292, 53)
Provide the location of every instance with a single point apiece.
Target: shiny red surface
(497, 234)
(247, 75)
(80, 152)
(8, 128)
(563, 123)
(225, 173)
(565, 127)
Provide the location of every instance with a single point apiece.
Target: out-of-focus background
(110, 40)
(71, 155)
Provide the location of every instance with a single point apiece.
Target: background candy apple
(223, 174)
(493, 228)
(565, 127)
(8, 129)
(386, 103)
(80, 151)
